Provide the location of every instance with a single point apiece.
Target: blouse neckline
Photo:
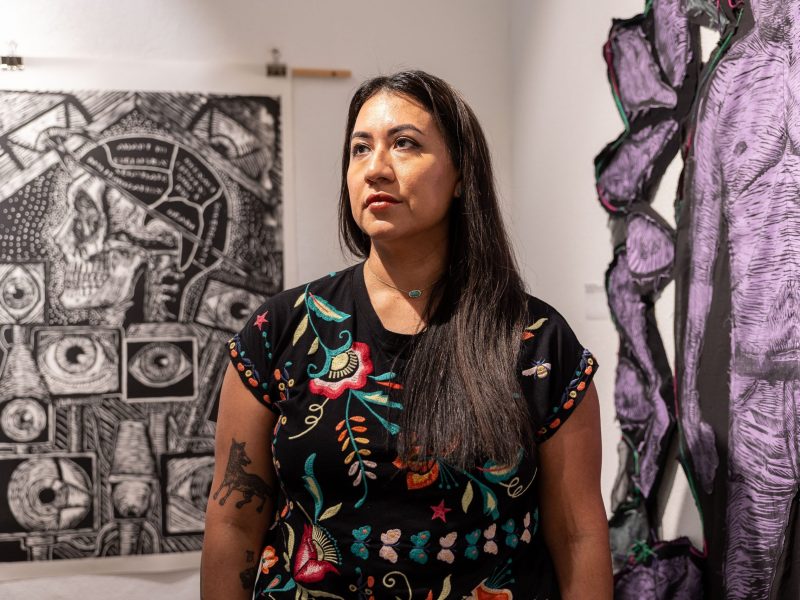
(390, 341)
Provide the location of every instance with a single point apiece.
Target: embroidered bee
(539, 370)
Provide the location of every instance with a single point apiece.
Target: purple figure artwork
(736, 257)
(652, 67)
(743, 194)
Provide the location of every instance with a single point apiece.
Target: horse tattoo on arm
(236, 478)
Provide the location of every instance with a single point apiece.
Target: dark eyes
(401, 143)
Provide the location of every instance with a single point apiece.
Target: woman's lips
(381, 201)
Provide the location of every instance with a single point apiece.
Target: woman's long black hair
(461, 396)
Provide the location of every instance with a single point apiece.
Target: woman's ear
(459, 190)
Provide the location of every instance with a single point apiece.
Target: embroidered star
(440, 511)
(261, 320)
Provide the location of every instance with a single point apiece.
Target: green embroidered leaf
(300, 299)
(445, 588)
(331, 512)
(466, 499)
(383, 377)
(312, 486)
(325, 311)
(301, 329)
(314, 346)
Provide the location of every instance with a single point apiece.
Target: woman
(435, 429)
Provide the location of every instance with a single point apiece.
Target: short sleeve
(555, 370)
(250, 351)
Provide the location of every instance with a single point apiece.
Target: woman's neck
(408, 267)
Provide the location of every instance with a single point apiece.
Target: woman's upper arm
(570, 466)
(244, 485)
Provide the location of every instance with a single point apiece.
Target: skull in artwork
(106, 244)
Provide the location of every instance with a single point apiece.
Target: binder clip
(276, 68)
(12, 62)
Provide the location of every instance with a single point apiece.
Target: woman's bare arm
(240, 504)
(572, 513)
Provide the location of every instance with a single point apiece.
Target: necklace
(416, 293)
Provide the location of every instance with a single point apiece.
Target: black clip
(276, 68)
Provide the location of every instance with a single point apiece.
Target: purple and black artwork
(742, 192)
(736, 252)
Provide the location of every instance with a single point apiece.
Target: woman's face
(401, 179)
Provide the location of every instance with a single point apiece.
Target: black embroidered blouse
(357, 522)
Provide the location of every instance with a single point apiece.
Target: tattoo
(248, 576)
(236, 478)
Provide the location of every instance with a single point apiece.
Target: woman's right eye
(358, 149)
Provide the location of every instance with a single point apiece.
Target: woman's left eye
(405, 143)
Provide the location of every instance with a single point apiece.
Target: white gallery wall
(532, 71)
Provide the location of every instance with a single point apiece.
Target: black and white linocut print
(137, 232)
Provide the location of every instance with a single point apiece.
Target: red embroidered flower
(483, 592)
(348, 370)
(316, 556)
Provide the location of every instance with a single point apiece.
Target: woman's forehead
(386, 110)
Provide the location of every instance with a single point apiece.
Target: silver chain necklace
(416, 293)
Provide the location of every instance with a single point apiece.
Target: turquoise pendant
(414, 293)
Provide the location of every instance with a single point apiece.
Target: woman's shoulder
(330, 286)
(541, 312)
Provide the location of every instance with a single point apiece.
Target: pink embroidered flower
(348, 370)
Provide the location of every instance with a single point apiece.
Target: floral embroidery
(317, 555)
(348, 371)
(363, 586)
(268, 559)
(342, 388)
(494, 586)
(424, 472)
(577, 385)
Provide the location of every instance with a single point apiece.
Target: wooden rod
(322, 73)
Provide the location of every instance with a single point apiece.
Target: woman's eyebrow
(394, 130)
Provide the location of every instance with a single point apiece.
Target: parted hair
(462, 400)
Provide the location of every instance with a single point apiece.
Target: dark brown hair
(461, 394)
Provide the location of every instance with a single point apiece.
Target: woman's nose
(379, 166)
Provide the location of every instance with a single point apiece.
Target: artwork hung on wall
(138, 231)
(736, 253)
